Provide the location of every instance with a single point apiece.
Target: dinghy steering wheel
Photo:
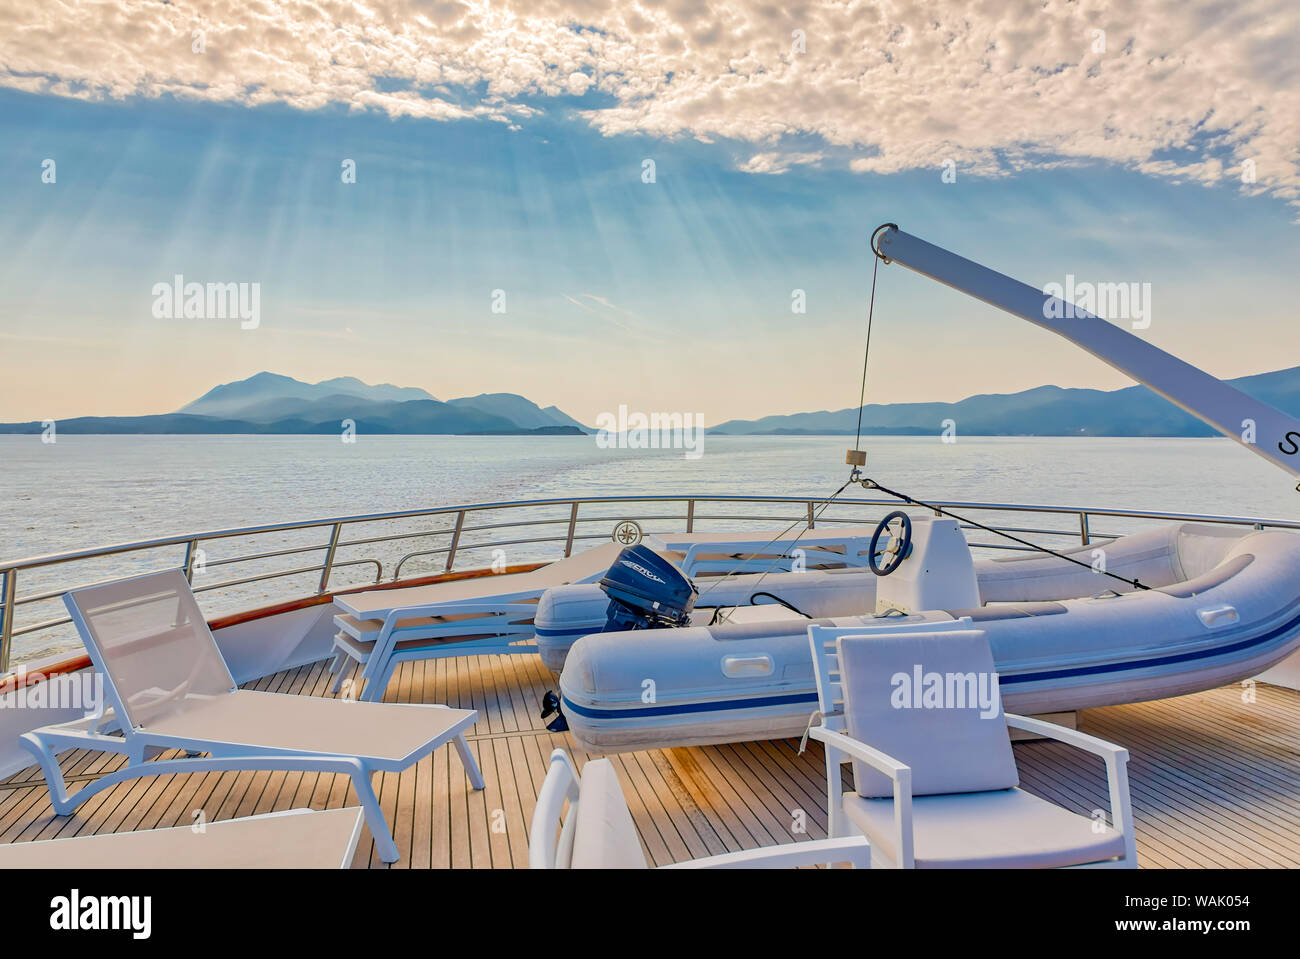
(883, 560)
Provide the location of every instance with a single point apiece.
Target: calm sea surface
(86, 491)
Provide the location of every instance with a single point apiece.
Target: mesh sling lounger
(167, 686)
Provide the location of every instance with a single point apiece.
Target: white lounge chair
(935, 779)
(381, 628)
(433, 631)
(293, 839)
(598, 832)
(168, 687)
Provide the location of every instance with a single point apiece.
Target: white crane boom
(1234, 414)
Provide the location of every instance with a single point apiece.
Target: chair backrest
(824, 641)
(550, 834)
(598, 831)
(148, 638)
(929, 700)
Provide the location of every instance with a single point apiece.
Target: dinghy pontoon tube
(1224, 606)
(567, 613)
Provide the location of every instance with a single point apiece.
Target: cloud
(1201, 91)
(776, 162)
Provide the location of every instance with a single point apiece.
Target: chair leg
(379, 831)
(65, 805)
(834, 797)
(377, 684)
(341, 677)
(467, 760)
(53, 773)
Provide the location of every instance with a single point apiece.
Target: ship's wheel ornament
(627, 533)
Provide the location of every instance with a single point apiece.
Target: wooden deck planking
(1215, 780)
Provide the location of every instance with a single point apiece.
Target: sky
(502, 157)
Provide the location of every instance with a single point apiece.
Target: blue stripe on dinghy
(1068, 671)
(709, 707)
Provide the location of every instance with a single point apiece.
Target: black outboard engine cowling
(646, 592)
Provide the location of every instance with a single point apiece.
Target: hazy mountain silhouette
(271, 403)
(1043, 411)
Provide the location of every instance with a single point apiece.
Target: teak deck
(1215, 780)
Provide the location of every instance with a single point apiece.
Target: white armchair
(935, 779)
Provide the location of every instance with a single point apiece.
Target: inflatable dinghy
(1219, 605)
(566, 614)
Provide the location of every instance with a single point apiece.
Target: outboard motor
(646, 592)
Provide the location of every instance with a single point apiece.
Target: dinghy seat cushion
(604, 836)
(1003, 829)
(954, 738)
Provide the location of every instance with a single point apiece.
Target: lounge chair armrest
(1071, 737)
(887, 764)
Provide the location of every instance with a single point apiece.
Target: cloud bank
(1205, 92)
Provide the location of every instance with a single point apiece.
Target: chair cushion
(1006, 829)
(604, 836)
(929, 700)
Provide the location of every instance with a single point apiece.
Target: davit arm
(1228, 410)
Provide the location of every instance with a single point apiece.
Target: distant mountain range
(270, 403)
(1044, 411)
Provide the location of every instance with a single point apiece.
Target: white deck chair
(598, 832)
(293, 839)
(380, 628)
(168, 687)
(435, 631)
(937, 786)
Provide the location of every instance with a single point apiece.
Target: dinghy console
(935, 571)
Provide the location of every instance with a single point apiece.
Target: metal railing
(467, 535)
